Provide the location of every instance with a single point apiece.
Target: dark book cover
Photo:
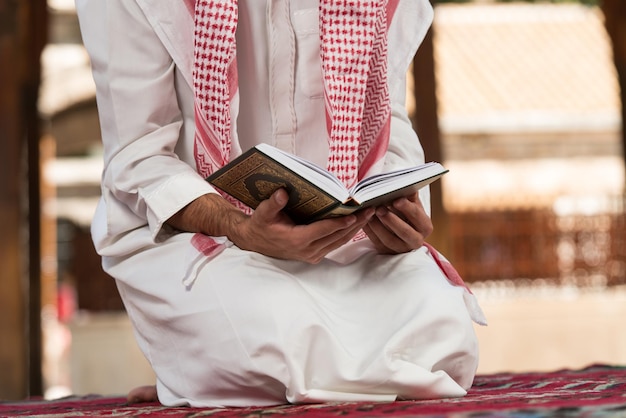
(253, 177)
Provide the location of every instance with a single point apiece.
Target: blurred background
(520, 100)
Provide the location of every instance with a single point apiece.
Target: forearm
(209, 214)
(146, 113)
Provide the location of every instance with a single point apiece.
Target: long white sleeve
(138, 95)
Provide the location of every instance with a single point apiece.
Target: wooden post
(35, 34)
(22, 37)
(615, 23)
(427, 126)
(14, 349)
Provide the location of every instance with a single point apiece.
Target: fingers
(378, 244)
(393, 233)
(400, 228)
(412, 211)
(269, 231)
(270, 212)
(270, 209)
(342, 236)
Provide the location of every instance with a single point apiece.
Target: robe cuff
(173, 195)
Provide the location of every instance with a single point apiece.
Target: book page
(312, 172)
(387, 183)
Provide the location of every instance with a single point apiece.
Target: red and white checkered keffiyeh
(353, 38)
(353, 35)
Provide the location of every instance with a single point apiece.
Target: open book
(314, 193)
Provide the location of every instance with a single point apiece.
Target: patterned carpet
(596, 391)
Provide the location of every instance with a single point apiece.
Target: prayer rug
(596, 391)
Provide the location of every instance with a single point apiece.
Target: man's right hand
(269, 230)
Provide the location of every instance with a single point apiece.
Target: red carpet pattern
(597, 391)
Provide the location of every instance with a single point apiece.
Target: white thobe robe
(242, 328)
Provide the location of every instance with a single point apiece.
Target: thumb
(279, 199)
(270, 208)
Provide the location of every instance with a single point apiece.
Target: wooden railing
(581, 249)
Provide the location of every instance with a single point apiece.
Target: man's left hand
(400, 227)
